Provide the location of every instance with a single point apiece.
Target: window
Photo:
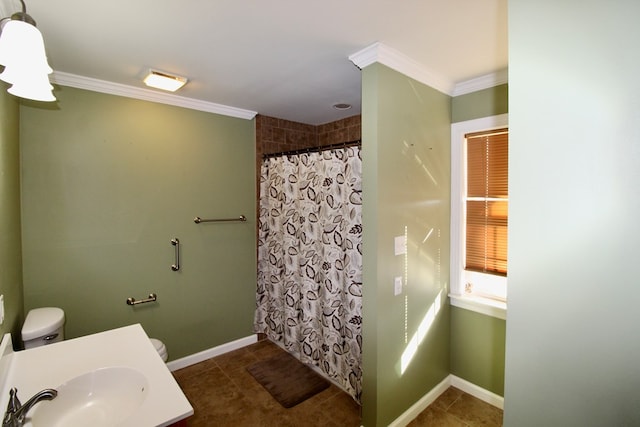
(487, 201)
(479, 214)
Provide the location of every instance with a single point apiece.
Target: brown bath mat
(287, 379)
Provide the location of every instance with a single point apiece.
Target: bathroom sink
(114, 377)
(103, 397)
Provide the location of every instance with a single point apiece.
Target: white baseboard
(415, 410)
(451, 380)
(174, 365)
(476, 391)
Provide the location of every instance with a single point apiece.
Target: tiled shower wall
(345, 130)
(277, 135)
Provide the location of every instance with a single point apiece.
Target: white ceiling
(281, 58)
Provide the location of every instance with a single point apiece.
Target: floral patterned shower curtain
(309, 296)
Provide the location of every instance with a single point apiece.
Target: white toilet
(43, 326)
(46, 325)
(160, 348)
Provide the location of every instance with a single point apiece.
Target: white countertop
(52, 365)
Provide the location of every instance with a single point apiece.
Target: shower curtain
(309, 295)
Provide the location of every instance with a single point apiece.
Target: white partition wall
(573, 324)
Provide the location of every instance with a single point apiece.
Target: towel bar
(133, 301)
(176, 242)
(198, 220)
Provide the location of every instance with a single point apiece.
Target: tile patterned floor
(223, 393)
(455, 408)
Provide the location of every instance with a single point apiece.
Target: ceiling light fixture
(24, 59)
(160, 80)
(341, 106)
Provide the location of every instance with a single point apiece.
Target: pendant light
(23, 56)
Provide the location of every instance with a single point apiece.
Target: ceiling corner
(383, 54)
(482, 82)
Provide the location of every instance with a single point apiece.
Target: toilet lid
(42, 321)
(159, 345)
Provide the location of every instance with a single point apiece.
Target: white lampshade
(22, 43)
(36, 88)
(26, 67)
(9, 42)
(20, 74)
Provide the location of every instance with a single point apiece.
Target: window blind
(487, 201)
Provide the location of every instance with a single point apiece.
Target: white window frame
(488, 295)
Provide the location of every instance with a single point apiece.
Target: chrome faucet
(16, 413)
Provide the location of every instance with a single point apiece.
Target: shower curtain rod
(314, 149)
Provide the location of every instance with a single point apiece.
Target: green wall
(406, 186)
(573, 346)
(483, 103)
(478, 341)
(107, 182)
(10, 240)
(477, 349)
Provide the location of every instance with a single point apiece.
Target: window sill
(481, 305)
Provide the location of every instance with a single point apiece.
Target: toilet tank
(43, 326)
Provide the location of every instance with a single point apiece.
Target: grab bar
(133, 301)
(198, 220)
(175, 242)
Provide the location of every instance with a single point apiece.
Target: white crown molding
(80, 82)
(379, 52)
(483, 82)
(398, 61)
(366, 56)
